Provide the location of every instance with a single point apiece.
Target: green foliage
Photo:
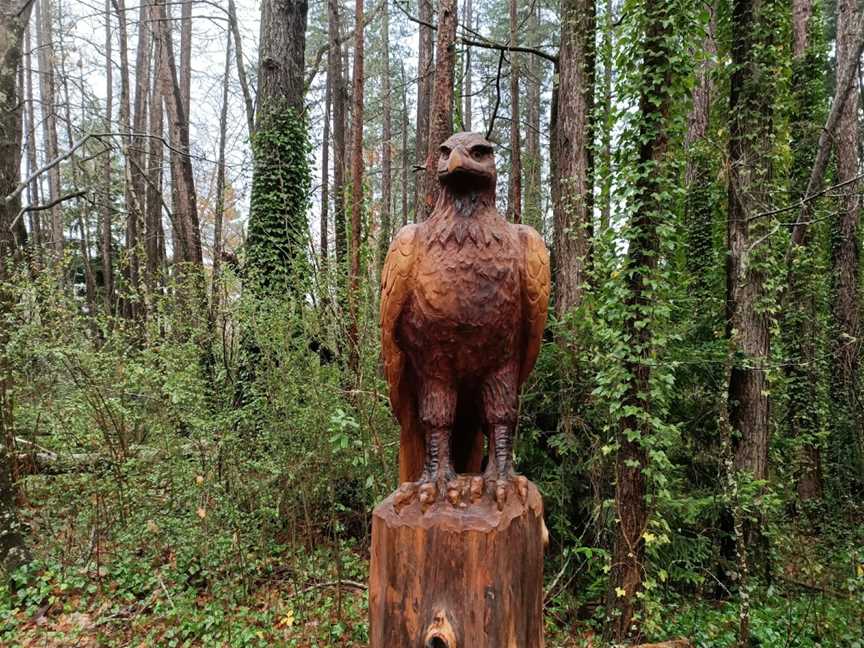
(277, 243)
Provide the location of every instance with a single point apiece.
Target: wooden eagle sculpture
(464, 296)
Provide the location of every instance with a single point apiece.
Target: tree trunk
(105, 238)
(533, 199)
(325, 166)
(47, 87)
(467, 83)
(186, 206)
(219, 215)
(425, 82)
(153, 232)
(454, 578)
(334, 66)
(241, 69)
(13, 22)
(356, 182)
(514, 203)
(441, 124)
(750, 147)
(608, 120)
(387, 144)
(800, 317)
(575, 166)
(635, 429)
(278, 238)
(404, 156)
(848, 433)
(186, 55)
(34, 198)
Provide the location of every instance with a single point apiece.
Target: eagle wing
(395, 290)
(536, 284)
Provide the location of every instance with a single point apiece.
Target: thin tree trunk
(33, 194)
(241, 69)
(405, 159)
(47, 86)
(105, 239)
(425, 82)
(848, 433)
(387, 137)
(219, 215)
(800, 317)
(514, 205)
(533, 198)
(83, 225)
(153, 232)
(467, 83)
(186, 209)
(325, 166)
(441, 125)
(186, 55)
(643, 250)
(356, 181)
(608, 125)
(334, 65)
(134, 154)
(575, 165)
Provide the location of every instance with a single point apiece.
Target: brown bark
(608, 125)
(467, 83)
(405, 161)
(33, 192)
(47, 90)
(425, 81)
(334, 67)
(14, 17)
(281, 64)
(441, 124)
(219, 215)
(356, 180)
(241, 69)
(533, 197)
(154, 244)
(454, 578)
(574, 168)
(83, 214)
(325, 166)
(848, 442)
(186, 206)
(800, 316)
(750, 137)
(105, 239)
(387, 144)
(643, 251)
(514, 202)
(186, 54)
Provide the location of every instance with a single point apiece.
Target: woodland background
(195, 201)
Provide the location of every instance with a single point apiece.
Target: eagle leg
(500, 400)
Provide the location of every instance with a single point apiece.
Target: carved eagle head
(466, 164)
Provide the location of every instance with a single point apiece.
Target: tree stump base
(467, 576)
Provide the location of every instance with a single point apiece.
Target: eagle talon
(428, 493)
(404, 496)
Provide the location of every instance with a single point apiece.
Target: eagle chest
(466, 297)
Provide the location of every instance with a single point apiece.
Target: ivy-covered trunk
(277, 240)
(651, 200)
(848, 430)
(13, 20)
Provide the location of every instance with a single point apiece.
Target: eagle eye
(479, 152)
(445, 150)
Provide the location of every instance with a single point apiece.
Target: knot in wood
(440, 633)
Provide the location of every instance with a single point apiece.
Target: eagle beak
(455, 162)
